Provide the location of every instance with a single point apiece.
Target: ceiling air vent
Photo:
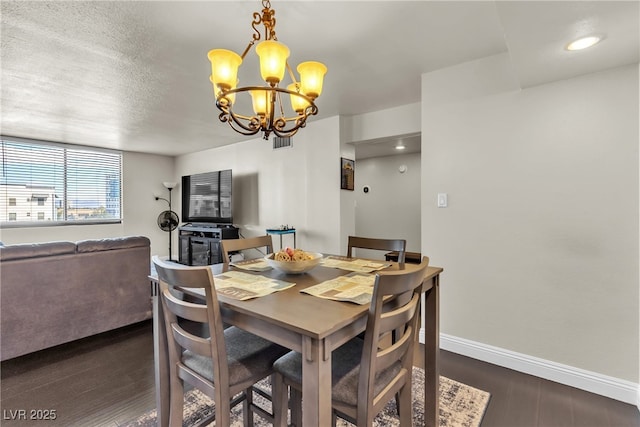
(279, 142)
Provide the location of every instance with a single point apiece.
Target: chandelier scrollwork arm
(279, 124)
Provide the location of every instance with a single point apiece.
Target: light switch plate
(442, 200)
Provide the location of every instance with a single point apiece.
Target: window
(56, 184)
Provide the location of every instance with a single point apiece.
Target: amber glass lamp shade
(224, 68)
(273, 59)
(298, 103)
(311, 78)
(261, 104)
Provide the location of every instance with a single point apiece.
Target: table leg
(316, 384)
(431, 354)
(161, 358)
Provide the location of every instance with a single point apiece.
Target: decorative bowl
(294, 267)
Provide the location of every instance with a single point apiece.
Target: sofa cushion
(112, 243)
(36, 250)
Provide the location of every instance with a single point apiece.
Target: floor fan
(168, 220)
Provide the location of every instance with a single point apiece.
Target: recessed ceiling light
(400, 146)
(583, 43)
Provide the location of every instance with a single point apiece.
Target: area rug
(460, 406)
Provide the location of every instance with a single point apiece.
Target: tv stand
(200, 242)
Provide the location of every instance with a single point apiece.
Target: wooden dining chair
(234, 245)
(366, 375)
(223, 363)
(398, 245)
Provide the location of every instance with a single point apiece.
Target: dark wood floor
(108, 379)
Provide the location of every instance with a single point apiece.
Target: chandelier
(268, 114)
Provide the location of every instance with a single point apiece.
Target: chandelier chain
(268, 20)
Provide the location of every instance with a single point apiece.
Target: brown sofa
(56, 292)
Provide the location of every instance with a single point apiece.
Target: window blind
(44, 183)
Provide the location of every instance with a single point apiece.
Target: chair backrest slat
(183, 309)
(393, 353)
(233, 245)
(179, 275)
(391, 320)
(191, 342)
(399, 245)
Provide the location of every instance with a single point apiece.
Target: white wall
(391, 122)
(539, 243)
(143, 178)
(298, 186)
(391, 208)
(143, 175)
(347, 197)
(368, 128)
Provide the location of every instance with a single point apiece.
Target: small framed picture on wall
(347, 173)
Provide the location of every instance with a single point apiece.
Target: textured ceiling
(134, 75)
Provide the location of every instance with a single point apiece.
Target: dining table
(310, 325)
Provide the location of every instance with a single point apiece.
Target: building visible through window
(43, 181)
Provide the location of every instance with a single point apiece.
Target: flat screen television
(206, 197)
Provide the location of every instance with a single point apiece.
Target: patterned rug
(460, 406)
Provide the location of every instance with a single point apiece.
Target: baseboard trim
(614, 388)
